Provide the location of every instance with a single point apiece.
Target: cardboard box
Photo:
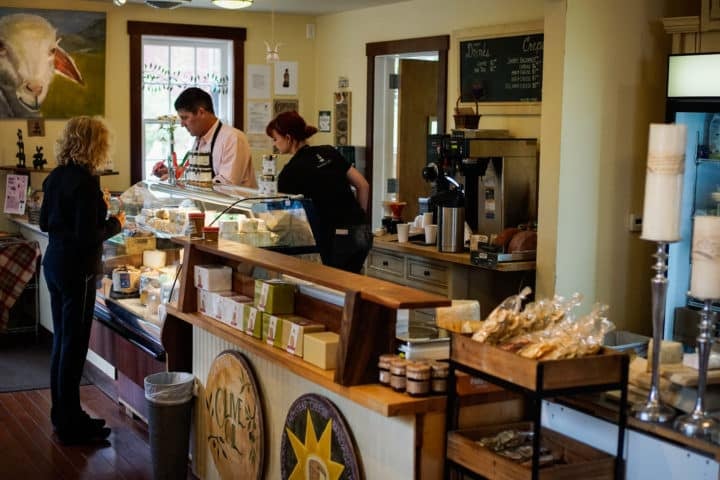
(215, 308)
(275, 296)
(320, 349)
(272, 330)
(253, 319)
(214, 278)
(231, 312)
(203, 300)
(293, 330)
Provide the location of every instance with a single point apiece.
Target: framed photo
(324, 118)
(77, 42)
(286, 78)
(342, 118)
(285, 105)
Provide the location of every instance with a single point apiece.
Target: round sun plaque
(234, 417)
(316, 443)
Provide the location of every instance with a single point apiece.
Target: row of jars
(416, 377)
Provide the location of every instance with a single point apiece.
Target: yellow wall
(603, 84)
(289, 29)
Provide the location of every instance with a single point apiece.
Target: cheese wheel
(523, 241)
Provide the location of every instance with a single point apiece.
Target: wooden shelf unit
(536, 380)
(365, 323)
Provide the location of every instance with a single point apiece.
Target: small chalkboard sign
(505, 69)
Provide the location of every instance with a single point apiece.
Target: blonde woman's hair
(85, 141)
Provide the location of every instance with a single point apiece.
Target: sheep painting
(38, 76)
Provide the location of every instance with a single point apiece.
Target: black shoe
(84, 436)
(85, 422)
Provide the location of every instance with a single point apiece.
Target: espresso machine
(501, 182)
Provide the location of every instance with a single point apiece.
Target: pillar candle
(663, 182)
(705, 276)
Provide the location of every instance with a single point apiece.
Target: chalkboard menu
(507, 69)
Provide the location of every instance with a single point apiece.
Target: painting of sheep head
(51, 63)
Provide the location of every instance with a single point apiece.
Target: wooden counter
(375, 397)
(389, 242)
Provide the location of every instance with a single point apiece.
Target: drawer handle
(426, 273)
(385, 263)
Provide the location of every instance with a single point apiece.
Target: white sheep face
(29, 58)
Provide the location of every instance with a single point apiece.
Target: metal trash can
(169, 396)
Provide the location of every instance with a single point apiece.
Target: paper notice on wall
(258, 81)
(15, 194)
(258, 115)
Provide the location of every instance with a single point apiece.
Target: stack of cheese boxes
(269, 316)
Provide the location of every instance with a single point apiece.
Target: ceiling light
(166, 4)
(232, 4)
(119, 3)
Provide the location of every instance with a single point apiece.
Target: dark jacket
(74, 215)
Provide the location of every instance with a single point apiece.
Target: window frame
(135, 31)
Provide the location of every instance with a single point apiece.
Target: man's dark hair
(192, 99)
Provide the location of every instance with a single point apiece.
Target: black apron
(195, 153)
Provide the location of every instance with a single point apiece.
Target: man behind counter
(227, 146)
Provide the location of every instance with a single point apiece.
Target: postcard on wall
(324, 117)
(286, 78)
(76, 42)
(259, 115)
(258, 81)
(259, 141)
(15, 194)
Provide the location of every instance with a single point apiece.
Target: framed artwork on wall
(324, 118)
(286, 78)
(285, 105)
(72, 83)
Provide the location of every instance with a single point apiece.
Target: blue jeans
(72, 300)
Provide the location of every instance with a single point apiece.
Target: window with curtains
(164, 60)
(170, 65)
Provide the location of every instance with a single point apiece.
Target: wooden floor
(30, 451)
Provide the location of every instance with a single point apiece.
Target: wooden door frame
(439, 44)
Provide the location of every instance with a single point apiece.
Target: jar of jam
(418, 378)
(384, 366)
(397, 374)
(211, 234)
(196, 223)
(439, 377)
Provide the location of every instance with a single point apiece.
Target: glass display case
(141, 263)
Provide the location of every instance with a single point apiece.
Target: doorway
(399, 118)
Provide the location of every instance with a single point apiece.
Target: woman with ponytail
(342, 231)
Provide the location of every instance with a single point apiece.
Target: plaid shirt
(18, 261)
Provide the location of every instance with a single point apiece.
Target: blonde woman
(75, 216)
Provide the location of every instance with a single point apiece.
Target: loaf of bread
(522, 241)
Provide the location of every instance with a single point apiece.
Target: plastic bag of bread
(503, 320)
(462, 316)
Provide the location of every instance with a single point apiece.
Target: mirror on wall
(407, 100)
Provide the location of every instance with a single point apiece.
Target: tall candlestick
(663, 182)
(705, 273)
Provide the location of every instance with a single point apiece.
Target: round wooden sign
(316, 443)
(234, 417)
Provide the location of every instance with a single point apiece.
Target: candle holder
(699, 423)
(653, 410)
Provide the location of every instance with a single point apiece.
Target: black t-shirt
(320, 174)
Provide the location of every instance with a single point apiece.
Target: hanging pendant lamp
(232, 4)
(272, 54)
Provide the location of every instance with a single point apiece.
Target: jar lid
(418, 367)
(211, 229)
(388, 357)
(440, 368)
(196, 215)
